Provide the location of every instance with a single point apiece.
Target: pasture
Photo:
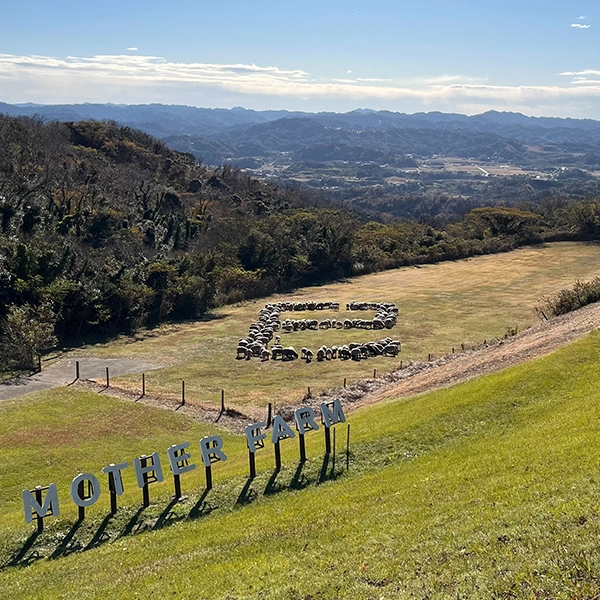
(488, 489)
(441, 306)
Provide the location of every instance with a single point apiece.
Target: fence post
(182, 392)
(143, 384)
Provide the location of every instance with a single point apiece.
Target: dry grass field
(441, 306)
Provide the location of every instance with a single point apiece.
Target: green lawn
(486, 490)
(441, 307)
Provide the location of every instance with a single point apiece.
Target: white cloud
(580, 26)
(583, 73)
(140, 79)
(581, 18)
(348, 72)
(132, 49)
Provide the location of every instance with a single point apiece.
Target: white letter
(152, 468)
(334, 415)
(281, 430)
(116, 475)
(94, 485)
(211, 448)
(178, 461)
(254, 437)
(50, 505)
(305, 419)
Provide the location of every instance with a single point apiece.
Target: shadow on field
(68, 544)
(247, 495)
(201, 508)
(100, 537)
(19, 558)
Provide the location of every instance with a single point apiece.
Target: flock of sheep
(264, 331)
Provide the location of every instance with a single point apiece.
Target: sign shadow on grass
(19, 558)
(69, 544)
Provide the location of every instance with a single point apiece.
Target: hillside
(487, 489)
(103, 230)
(379, 163)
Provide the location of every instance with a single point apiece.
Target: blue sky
(539, 58)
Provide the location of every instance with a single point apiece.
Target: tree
(26, 332)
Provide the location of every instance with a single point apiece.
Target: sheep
(309, 356)
(264, 355)
(289, 353)
(344, 352)
(355, 354)
(241, 352)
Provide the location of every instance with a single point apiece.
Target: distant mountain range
(249, 137)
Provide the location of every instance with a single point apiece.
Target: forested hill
(103, 229)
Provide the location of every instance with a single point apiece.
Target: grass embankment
(488, 489)
(441, 307)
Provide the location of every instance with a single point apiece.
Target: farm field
(441, 307)
(487, 489)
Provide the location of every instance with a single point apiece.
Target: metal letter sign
(33, 505)
(332, 413)
(254, 437)
(85, 488)
(92, 494)
(305, 420)
(281, 430)
(178, 459)
(211, 448)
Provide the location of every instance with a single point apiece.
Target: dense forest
(103, 230)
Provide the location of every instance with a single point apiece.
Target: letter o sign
(93, 487)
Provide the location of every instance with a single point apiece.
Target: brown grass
(441, 306)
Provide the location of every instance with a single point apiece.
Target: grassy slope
(488, 489)
(441, 306)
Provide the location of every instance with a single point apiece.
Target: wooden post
(40, 520)
(344, 382)
(222, 401)
(182, 392)
(107, 378)
(145, 490)
(269, 415)
(76, 370)
(452, 349)
(208, 478)
(309, 394)
(252, 462)
(327, 440)
(277, 456)
(177, 486)
(333, 457)
(143, 384)
(112, 488)
(302, 447)
(348, 448)
(374, 373)
(401, 364)
(39, 363)
(81, 493)
(428, 357)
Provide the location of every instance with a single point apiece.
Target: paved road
(63, 372)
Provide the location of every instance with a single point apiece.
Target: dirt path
(542, 339)
(63, 373)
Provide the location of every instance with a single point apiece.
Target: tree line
(104, 230)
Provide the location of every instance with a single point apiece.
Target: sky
(540, 58)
